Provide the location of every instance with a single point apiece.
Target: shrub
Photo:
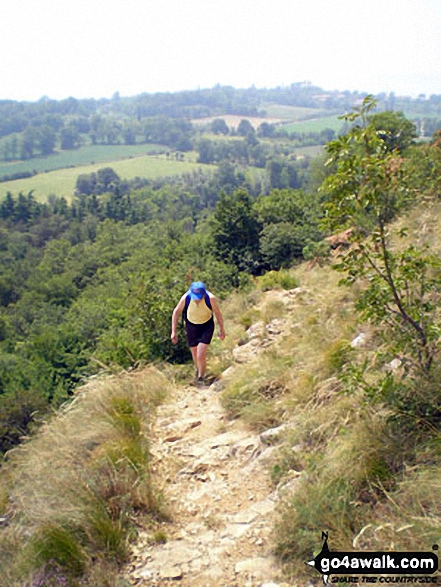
(282, 279)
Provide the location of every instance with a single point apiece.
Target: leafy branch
(367, 190)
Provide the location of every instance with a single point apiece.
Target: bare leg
(201, 358)
(194, 354)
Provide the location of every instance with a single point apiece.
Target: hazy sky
(93, 48)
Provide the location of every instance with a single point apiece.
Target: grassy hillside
(293, 113)
(233, 120)
(292, 119)
(74, 489)
(345, 463)
(341, 463)
(62, 182)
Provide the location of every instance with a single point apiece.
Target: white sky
(92, 48)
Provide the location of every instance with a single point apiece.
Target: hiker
(198, 306)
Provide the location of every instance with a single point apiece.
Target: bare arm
(175, 318)
(219, 318)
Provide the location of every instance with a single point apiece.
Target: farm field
(85, 155)
(293, 113)
(315, 125)
(310, 151)
(62, 181)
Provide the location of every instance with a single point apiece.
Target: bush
(282, 279)
(17, 415)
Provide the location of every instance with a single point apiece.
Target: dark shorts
(197, 333)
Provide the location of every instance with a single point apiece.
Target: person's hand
(174, 338)
(222, 334)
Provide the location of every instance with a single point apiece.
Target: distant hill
(37, 137)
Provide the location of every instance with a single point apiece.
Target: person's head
(197, 290)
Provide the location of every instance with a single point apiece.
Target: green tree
(266, 130)
(219, 127)
(394, 129)
(28, 143)
(245, 128)
(69, 138)
(206, 151)
(401, 286)
(235, 231)
(7, 207)
(290, 222)
(281, 243)
(46, 139)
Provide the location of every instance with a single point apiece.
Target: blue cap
(197, 290)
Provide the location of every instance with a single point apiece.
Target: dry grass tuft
(77, 484)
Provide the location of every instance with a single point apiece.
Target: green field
(311, 151)
(292, 112)
(315, 125)
(62, 182)
(86, 155)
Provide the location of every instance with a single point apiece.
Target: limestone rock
(275, 327)
(171, 572)
(257, 567)
(272, 435)
(256, 330)
(246, 352)
(359, 341)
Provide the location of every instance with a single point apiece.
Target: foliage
(401, 286)
(92, 285)
(277, 279)
(281, 244)
(394, 129)
(290, 223)
(235, 229)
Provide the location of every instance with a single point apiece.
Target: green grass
(315, 125)
(292, 112)
(86, 155)
(62, 181)
(312, 151)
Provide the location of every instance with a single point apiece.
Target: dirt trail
(216, 476)
(222, 502)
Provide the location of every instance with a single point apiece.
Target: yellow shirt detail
(198, 313)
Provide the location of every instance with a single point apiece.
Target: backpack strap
(187, 303)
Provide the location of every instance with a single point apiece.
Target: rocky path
(222, 502)
(216, 479)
